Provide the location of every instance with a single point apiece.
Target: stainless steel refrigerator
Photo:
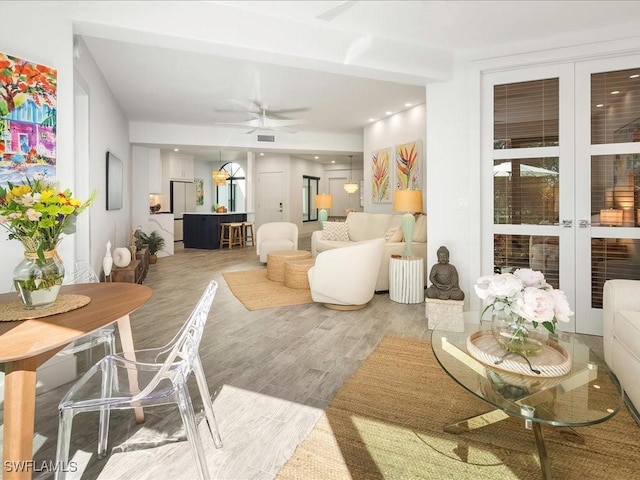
(183, 199)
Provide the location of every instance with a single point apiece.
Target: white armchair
(345, 278)
(276, 236)
(621, 334)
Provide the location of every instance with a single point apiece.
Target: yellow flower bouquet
(37, 213)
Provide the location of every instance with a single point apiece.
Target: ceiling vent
(266, 138)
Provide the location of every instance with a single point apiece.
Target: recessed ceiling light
(333, 161)
(615, 92)
(388, 112)
(635, 75)
(408, 104)
(316, 157)
(372, 119)
(261, 154)
(176, 149)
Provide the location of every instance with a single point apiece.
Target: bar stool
(236, 235)
(225, 235)
(247, 231)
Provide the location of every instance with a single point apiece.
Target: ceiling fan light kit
(265, 119)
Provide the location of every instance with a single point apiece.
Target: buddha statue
(444, 279)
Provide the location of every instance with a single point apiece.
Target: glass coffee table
(588, 394)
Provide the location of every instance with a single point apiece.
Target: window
(309, 192)
(234, 193)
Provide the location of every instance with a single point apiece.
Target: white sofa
(363, 226)
(344, 278)
(621, 335)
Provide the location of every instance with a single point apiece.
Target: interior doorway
(271, 197)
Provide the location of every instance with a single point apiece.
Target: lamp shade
(611, 216)
(350, 187)
(219, 177)
(324, 200)
(407, 201)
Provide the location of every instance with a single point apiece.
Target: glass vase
(518, 335)
(38, 282)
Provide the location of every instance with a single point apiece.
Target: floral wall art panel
(28, 93)
(407, 166)
(381, 176)
(199, 184)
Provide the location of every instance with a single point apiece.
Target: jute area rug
(387, 422)
(256, 291)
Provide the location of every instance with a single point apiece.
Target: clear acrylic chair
(162, 379)
(83, 273)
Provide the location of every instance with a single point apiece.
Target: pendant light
(220, 176)
(350, 186)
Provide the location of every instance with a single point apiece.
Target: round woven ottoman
(295, 273)
(277, 259)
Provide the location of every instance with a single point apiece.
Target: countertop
(214, 213)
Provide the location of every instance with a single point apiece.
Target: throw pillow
(394, 234)
(337, 231)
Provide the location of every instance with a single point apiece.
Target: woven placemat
(552, 361)
(12, 311)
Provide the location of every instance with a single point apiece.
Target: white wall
(403, 127)
(51, 47)
(108, 131)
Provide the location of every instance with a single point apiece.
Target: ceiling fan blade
(336, 10)
(280, 113)
(247, 105)
(249, 123)
(283, 123)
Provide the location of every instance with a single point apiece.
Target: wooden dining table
(27, 344)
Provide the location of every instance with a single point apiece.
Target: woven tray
(552, 361)
(13, 311)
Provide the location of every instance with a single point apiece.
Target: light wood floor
(270, 371)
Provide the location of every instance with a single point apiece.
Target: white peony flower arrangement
(525, 296)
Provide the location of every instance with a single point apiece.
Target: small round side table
(406, 279)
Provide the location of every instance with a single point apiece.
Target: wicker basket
(295, 273)
(277, 259)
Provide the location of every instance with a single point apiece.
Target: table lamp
(611, 217)
(409, 201)
(323, 201)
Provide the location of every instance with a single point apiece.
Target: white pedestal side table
(406, 280)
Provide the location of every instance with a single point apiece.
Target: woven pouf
(295, 273)
(277, 259)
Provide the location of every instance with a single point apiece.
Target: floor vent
(266, 138)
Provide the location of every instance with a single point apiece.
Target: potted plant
(154, 242)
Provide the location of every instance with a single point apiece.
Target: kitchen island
(202, 229)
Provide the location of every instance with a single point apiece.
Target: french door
(608, 197)
(564, 175)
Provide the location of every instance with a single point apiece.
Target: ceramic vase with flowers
(37, 214)
(525, 309)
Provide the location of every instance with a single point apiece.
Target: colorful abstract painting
(28, 93)
(199, 184)
(380, 176)
(408, 159)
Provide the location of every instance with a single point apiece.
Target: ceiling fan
(262, 121)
